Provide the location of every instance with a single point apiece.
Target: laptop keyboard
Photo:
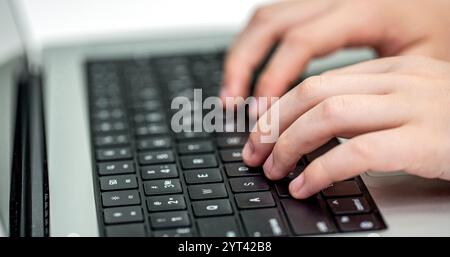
(150, 181)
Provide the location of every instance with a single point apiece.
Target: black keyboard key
(282, 188)
(148, 105)
(151, 129)
(156, 157)
(218, 227)
(154, 143)
(195, 147)
(232, 155)
(191, 135)
(178, 232)
(159, 171)
(307, 216)
(240, 169)
(118, 182)
(171, 219)
(293, 174)
(110, 127)
(199, 161)
(161, 187)
(109, 114)
(254, 200)
(343, 188)
(166, 203)
(263, 222)
(123, 215)
(231, 141)
(249, 184)
(126, 230)
(212, 208)
(207, 191)
(354, 205)
(148, 117)
(358, 222)
(120, 198)
(111, 154)
(203, 176)
(112, 140)
(112, 168)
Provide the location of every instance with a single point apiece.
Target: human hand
(311, 28)
(395, 112)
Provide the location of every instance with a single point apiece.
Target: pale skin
(394, 111)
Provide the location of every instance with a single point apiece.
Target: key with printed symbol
(110, 127)
(202, 176)
(212, 207)
(199, 161)
(152, 129)
(191, 135)
(240, 169)
(171, 219)
(118, 182)
(159, 171)
(166, 203)
(254, 200)
(123, 215)
(248, 184)
(231, 155)
(119, 198)
(150, 117)
(154, 143)
(113, 154)
(164, 186)
(358, 222)
(263, 222)
(178, 232)
(354, 205)
(207, 191)
(195, 147)
(112, 168)
(218, 227)
(231, 141)
(156, 157)
(112, 140)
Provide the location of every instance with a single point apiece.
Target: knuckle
(294, 37)
(310, 87)
(360, 149)
(333, 108)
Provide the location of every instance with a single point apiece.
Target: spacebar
(307, 217)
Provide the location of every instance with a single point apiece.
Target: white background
(56, 21)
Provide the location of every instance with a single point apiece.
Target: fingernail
(268, 165)
(296, 186)
(253, 109)
(248, 150)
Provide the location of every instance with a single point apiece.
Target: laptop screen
(11, 54)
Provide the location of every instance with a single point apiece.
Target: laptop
(88, 150)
